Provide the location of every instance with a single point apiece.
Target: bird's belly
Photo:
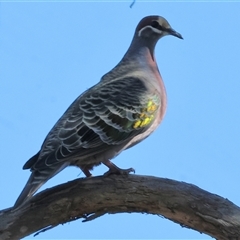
(96, 159)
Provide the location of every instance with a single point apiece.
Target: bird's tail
(36, 180)
(32, 185)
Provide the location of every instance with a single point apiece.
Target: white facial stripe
(153, 29)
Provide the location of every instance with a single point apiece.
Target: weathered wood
(180, 202)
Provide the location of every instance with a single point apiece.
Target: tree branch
(89, 198)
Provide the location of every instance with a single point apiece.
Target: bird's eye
(155, 24)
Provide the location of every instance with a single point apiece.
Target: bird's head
(152, 28)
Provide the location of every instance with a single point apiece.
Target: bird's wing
(108, 114)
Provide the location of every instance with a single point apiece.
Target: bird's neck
(141, 48)
(139, 59)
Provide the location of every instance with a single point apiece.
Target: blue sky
(52, 52)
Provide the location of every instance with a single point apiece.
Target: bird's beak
(174, 33)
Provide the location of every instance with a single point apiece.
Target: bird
(122, 109)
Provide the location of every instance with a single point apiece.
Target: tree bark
(89, 198)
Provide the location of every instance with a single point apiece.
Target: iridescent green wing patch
(148, 113)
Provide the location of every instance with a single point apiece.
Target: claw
(113, 169)
(119, 171)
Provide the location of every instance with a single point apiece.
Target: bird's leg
(86, 172)
(113, 169)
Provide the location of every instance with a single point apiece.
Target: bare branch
(90, 198)
(133, 2)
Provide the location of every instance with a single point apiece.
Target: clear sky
(52, 52)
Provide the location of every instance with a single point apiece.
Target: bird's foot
(86, 172)
(113, 169)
